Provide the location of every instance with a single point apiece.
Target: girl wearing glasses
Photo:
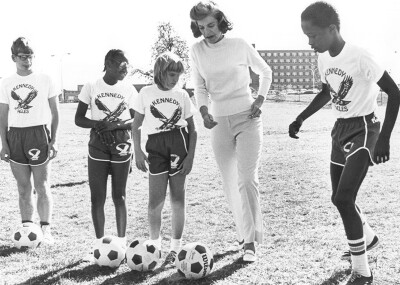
(110, 144)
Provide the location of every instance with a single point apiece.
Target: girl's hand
(186, 166)
(105, 126)
(256, 107)
(141, 160)
(5, 153)
(208, 121)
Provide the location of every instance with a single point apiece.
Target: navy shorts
(29, 146)
(166, 151)
(353, 134)
(120, 151)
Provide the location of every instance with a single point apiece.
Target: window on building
(288, 54)
(301, 73)
(300, 67)
(300, 79)
(281, 67)
(288, 60)
(275, 73)
(263, 54)
(287, 66)
(293, 54)
(268, 61)
(300, 60)
(275, 60)
(275, 54)
(300, 54)
(313, 60)
(295, 73)
(281, 80)
(281, 54)
(287, 73)
(307, 79)
(281, 73)
(268, 54)
(294, 79)
(307, 73)
(281, 60)
(275, 80)
(288, 80)
(275, 67)
(294, 60)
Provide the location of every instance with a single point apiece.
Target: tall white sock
(359, 258)
(368, 231)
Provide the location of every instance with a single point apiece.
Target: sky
(71, 37)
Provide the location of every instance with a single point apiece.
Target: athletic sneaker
(357, 279)
(170, 259)
(249, 256)
(236, 246)
(374, 243)
(47, 237)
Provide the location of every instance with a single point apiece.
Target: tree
(168, 40)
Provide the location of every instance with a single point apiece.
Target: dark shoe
(357, 279)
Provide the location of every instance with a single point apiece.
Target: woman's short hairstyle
(204, 9)
(21, 45)
(113, 54)
(165, 62)
(322, 15)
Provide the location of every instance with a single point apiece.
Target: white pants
(237, 143)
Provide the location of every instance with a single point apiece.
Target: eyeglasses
(25, 56)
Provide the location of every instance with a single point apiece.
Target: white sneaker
(249, 256)
(47, 236)
(236, 246)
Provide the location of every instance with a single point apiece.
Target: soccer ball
(142, 256)
(28, 235)
(108, 252)
(194, 261)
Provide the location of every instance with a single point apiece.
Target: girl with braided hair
(110, 145)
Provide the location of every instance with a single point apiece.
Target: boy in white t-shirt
(350, 79)
(166, 111)
(110, 144)
(28, 102)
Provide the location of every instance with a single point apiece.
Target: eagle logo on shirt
(167, 123)
(340, 95)
(112, 116)
(23, 104)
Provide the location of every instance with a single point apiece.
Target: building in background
(291, 69)
(71, 96)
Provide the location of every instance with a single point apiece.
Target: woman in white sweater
(221, 73)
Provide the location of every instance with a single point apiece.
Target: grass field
(304, 236)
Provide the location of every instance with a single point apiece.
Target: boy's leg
(119, 177)
(22, 174)
(157, 191)
(353, 174)
(41, 175)
(98, 174)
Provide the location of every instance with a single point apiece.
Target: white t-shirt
(163, 110)
(28, 99)
(109, 102)
(352, 76)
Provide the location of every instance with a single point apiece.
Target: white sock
(122, 240)
(368, 231)
(175, 245)
(156, 242)
(359, 258)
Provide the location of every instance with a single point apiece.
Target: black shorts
(166, 151)
(353, 134)
(118, 152)
(29, 146)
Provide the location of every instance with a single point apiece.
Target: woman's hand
(208, 121)
(256, 107)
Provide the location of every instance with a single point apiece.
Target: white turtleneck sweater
(221, 71)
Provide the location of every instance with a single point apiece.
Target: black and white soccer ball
(194, 261)
(27, 236)
(108, 252)
(141, 255)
